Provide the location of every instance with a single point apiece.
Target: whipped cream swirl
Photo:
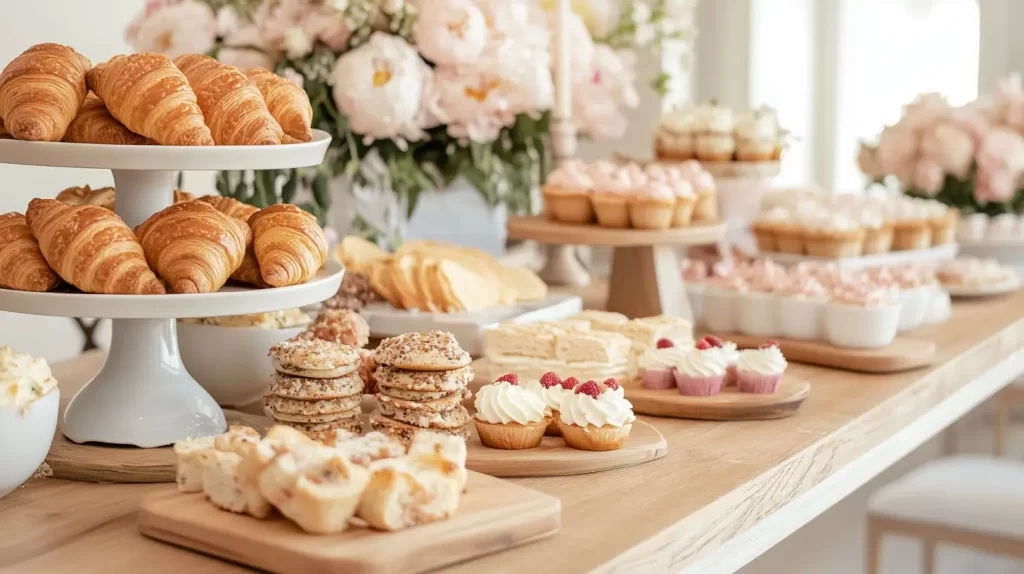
(767, 361)
(503, 403)
(608, 408)
(707, 363)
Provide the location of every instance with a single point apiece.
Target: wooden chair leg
(873, 556)
(1002, 429)
(928, 557)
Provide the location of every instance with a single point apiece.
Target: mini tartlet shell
(512, 435)
(314, 358)
(431, 351)
(288, 386)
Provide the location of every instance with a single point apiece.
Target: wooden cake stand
(728, 405)
(645, 278)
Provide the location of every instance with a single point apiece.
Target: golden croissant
(22, 265)
(3, 130)
(290, 247)
(41, 91)
(94, 124)
(104, 196)
(91, 248)
(233, 106)
(287, 102)
(249, 270)
(230, 206)
(193, 247)
(151, 97)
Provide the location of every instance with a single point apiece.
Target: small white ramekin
(801, 318)
(939, 306)
(25, 437)
(718, 310)
(914, 303)
(757, 315)
(861, 327)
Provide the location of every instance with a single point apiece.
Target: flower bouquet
(970, 157)
(419, 93)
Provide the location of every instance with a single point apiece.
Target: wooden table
(725, 493)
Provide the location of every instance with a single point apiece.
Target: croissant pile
(193, 246)
(52, 93)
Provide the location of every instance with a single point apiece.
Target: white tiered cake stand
(143, 396)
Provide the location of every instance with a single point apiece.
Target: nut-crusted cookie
(405, 432)
(433, 381)
(434, 420)
(314, 358)
(288, 386)
(430, 351)
(340, 326)
(420, 396)
(320, 431)
(435, 406)
(317, 407)
(316, 418)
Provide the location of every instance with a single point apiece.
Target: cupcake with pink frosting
(567, 193)
(862, 316)
(686, 197)
(701, 372)
(652, 206)
(801, 307)
(612, 188)
(760, 370)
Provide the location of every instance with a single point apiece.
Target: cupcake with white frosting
(552, 390)
(613, 186)
(686, 196)
(877, 231)
(716, 140)
(652, 206)
(509, 416)
(567, 193)
(758, 135)
(731, 355)
(834, 236)
(701, 372)
(656, 363)
(760, 370)
(596, 417)
(674, 138)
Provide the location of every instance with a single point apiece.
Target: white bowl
(25, 437)
(861, 327)
(695, 295)
(231, 363)
(914, 303)
(718, 310)
(800, 318)
(939, 306)
(756, 314)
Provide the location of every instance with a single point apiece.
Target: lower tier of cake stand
(143, 396)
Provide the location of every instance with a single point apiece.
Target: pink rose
(950, 148)
(867, 160)
(897, 149)
(996, 186)
(974, 118)
(928, 177)
(924, 111)
(1002, 150)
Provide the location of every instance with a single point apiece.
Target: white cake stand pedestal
(143, 396)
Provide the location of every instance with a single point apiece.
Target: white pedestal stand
(143, 396)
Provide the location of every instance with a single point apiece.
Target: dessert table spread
(725, 493)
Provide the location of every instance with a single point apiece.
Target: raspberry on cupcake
(701, 372)
(552, 390)
(657, 363)
(595, 417)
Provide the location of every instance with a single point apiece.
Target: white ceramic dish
(914, 305)
(231, 363)
(25, 438)
(939, 306)
(861, 327)
(962, 291)
(757, 314)
(800, 318)
(719, 310)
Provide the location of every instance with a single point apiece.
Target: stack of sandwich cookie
(421, 382)
(316, 387)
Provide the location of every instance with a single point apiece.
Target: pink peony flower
(292, 76)
(475, 102)
(598, 101)
(177, 28)
(948, 147)
(327, 24)
(997, 186)
(974, 118)
(924, 111)
(897, 150)
(450, 32)
(867, 160)
(1002, 150)
(151, 8)
(928, 177)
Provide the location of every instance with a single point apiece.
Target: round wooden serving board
(554, 458)
(542, 229)
(903, 354)
(728, 405)
(93, 462)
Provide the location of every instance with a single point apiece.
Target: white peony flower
(297, 43)
(598, 101)
(189, 27)
(473, 102)
(228, 21)
(450, 32)
(381, 86)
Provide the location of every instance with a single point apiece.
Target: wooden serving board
(95, 462)
(554, 458)
(494, 515)
(544, 230)
(728, 405)
(903, 354)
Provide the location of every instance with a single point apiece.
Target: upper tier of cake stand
(229, 300)
(165, 158)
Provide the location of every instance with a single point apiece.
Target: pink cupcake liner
(758, 384)
(730, 376)
(698, 386)
(658, 379)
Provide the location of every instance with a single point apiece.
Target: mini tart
(405, 432)
(651, 212)
(567, 204)
(318, 407)
(421, 396)
(314, 358)
(321, 418)
(424, 381)
(911, 234)
(834, 243)
(453, 418)
(511, 436)
(300, 388)
(430, 351)
(599, 438)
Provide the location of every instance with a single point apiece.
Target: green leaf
(290, 187)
